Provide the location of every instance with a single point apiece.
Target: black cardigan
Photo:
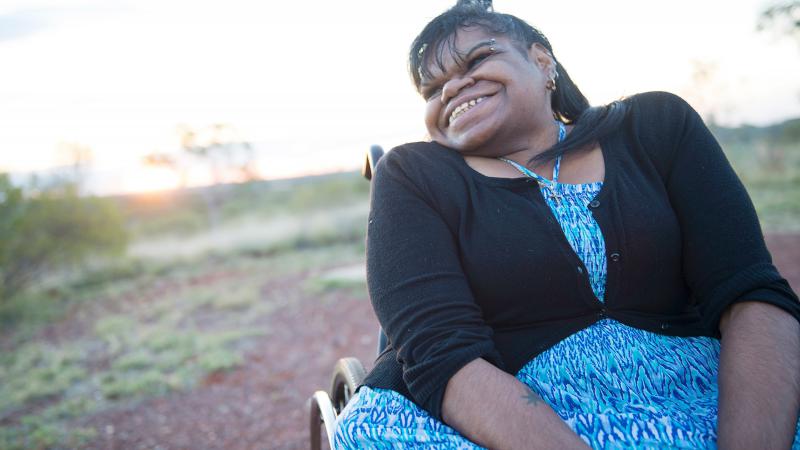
(462, 266)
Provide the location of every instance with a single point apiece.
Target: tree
(53, 227)
(218, 147)
(228, 157)
(77, 160)
(783, 18)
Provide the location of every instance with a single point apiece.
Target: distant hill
(787, 132)
(193, 209)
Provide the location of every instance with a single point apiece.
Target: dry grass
(254, 233)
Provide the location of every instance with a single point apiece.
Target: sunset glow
(150, 179)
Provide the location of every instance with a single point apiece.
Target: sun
(147, 179)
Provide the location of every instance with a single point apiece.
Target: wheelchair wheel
(348, 374)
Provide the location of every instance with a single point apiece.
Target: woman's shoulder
(423, 171)
(660, 124)
(428, 151)
(668, 108)
(420, 161)
(659, 118)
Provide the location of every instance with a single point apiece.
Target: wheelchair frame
(348, 373)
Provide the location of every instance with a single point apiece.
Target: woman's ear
(541, 57)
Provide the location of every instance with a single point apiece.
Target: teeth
(462, 108)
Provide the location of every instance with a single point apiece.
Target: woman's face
(494, 100)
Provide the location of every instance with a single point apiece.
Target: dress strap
(528, 172)
(562, 133)
(556, 169)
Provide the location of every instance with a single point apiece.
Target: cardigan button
(594, 204)
(614, 256)
(580, 270)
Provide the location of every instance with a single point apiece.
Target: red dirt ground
(263, 404)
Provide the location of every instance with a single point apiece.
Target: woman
(551, 275)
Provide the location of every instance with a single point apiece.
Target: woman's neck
(535, 146)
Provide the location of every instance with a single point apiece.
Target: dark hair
(568, 102)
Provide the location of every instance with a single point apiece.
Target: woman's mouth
(463, 108)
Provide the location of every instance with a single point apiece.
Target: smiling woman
(551, 274)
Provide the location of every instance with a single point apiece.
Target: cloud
(25, 22)
(22, 23)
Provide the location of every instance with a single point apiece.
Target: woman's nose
(454, 86)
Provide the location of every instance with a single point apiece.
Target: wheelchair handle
(373, 155)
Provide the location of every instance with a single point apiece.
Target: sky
(312, 84)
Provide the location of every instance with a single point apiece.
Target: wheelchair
(349, 372)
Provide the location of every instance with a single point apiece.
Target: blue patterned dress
(614, 385)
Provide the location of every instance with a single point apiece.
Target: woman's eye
(477, 60)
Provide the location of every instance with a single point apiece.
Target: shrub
(46, 229)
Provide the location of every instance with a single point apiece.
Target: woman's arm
(759, 377)
(730, 274)
(495, 410)
(419, 292)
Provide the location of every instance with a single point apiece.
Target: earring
(551, 83)
(491, 45)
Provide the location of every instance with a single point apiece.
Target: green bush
(51, 228)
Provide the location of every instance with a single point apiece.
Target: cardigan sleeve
(724, 257)
(416, 284)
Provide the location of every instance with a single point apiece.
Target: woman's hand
(759, 377)
(495, 410)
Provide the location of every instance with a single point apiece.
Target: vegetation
(783, 18)
(52, 228)
(184, 211)
(767, 160)
(152, 323)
